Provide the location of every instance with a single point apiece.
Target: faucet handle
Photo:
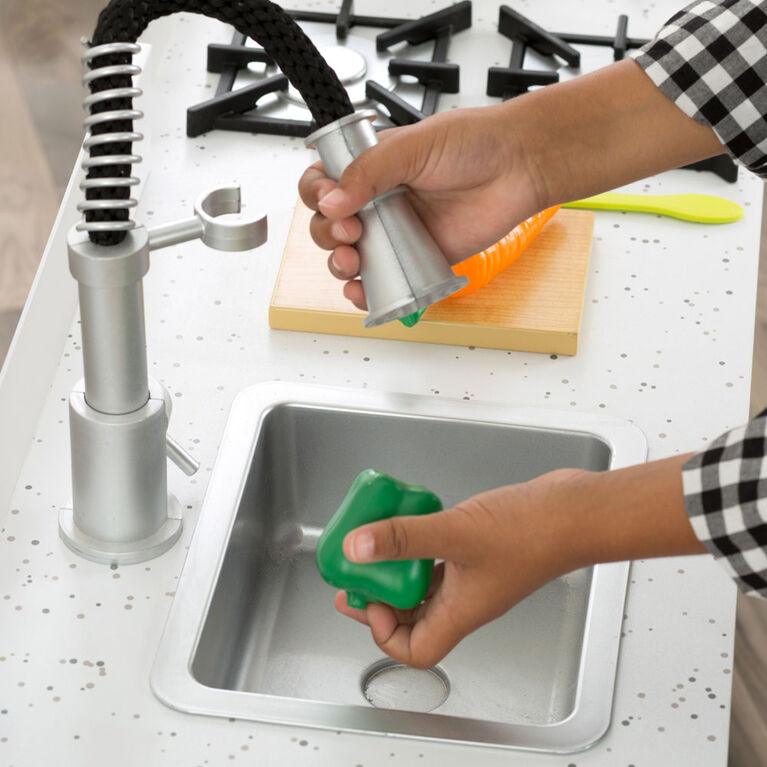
(180, 457)
(228, 235)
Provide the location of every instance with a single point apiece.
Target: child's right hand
(468, 178)
(474, 174)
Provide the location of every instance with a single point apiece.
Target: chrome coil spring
(105, 186)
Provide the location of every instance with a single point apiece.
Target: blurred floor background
(40, 135)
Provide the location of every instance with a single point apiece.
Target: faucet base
(121, 553)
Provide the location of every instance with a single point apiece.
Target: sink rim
(172, 680)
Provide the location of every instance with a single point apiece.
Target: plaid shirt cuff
(725, 490)
(710, 59)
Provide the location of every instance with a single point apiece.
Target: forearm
(625, 514)
(602, 130)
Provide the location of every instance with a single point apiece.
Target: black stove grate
(237, 109)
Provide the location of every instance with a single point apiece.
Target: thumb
(432, 536)
(377, 170)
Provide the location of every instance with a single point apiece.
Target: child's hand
(474, 174)
(468, 182)
(498, 547)
(502, 545)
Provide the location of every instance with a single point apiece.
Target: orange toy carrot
(483, 267)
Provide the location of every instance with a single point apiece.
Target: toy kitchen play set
(176, 616)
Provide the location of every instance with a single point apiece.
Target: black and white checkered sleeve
(710, 59)
(725, 489)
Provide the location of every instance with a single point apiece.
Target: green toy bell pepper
(374, 496)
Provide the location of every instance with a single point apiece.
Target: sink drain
(389, 684)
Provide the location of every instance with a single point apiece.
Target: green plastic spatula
(700, 208)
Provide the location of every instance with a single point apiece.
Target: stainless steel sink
(252, 632)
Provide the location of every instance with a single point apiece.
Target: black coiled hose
(124, 20)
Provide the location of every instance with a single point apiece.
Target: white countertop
(666, 343)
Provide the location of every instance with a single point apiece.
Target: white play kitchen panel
(666, 330)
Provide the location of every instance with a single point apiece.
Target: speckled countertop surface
(666, 343)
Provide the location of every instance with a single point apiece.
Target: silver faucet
(121, 511)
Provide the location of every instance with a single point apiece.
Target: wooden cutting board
(535, 305)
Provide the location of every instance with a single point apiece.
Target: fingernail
(338, 230)
(362, 547)
(338, 272)
(334, 198)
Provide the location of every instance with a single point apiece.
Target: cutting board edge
(452, 334)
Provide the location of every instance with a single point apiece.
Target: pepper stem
(356, 600)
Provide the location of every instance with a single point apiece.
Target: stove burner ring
(354, 60)
(348, 64)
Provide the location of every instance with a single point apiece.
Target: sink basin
(252, 632)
